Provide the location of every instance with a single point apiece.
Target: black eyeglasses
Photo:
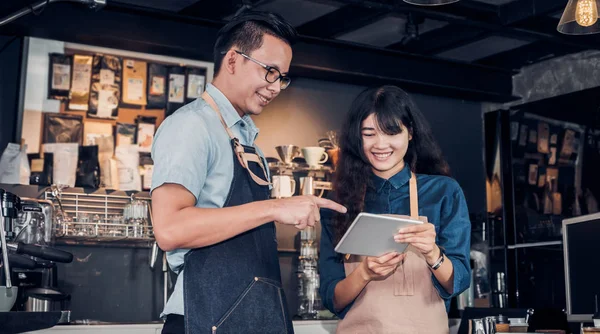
(272, 75)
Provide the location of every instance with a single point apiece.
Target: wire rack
(299, 167)
(94, 218)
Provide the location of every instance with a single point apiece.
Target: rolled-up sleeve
(180, 152)
(454, 238)
(331, 266)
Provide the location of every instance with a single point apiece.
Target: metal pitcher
(310, 186)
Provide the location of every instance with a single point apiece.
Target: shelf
(535, 244)
(529, 245)
(104, 242)
(298, 167)
(559, 162)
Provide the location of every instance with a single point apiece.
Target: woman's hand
(421, 237)
(378, 268)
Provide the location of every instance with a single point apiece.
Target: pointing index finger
(329, 204)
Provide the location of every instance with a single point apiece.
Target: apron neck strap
(240, 153)
(414, 198)
(211, 102)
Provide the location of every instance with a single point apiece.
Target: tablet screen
(373, 234)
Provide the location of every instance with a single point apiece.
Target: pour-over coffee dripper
(287, 153)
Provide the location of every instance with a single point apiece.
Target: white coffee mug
(314, 155)
(283, 186)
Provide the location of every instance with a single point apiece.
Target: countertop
(300, 327)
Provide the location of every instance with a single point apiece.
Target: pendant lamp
(580, 18)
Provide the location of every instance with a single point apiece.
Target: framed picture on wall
(59, 78)
(105, 93)
(157, 86)
(79, 96)
(196, 81)
(62, 128)
(145, 132)
(134, 82)
(176, 96)
(125, 134)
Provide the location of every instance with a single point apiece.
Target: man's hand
(302, 211)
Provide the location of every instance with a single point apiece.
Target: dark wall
(9, 87)
(457, 125)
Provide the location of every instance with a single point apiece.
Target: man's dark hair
(246, 32)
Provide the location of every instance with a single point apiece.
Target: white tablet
(373, 235)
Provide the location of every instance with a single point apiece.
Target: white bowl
(7, 298)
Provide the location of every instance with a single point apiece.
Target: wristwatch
(438, 262)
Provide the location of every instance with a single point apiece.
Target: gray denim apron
(235, 286)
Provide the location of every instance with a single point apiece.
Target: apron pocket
(259, 309)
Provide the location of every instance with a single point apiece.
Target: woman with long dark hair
(390, 164)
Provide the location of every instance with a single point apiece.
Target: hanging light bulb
(580, 18)
(430, 2)
(586, 13)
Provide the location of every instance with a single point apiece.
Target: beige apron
(405, 302)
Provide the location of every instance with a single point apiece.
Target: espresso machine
(28, 265)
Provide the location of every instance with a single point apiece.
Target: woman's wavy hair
(393, 108)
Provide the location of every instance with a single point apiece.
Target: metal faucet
(5, 253)
(8, 207)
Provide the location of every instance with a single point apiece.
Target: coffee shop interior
(511, 89)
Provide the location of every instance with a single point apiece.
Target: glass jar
(311, 300)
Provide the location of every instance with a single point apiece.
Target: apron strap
(244, 157)
(404, 278)
(211, 102)
(414, 197)
(240, 153)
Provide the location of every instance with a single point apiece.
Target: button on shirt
(440, 199)
(191, 148)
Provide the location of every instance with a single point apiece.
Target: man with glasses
(210, 190)
(272, 74)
